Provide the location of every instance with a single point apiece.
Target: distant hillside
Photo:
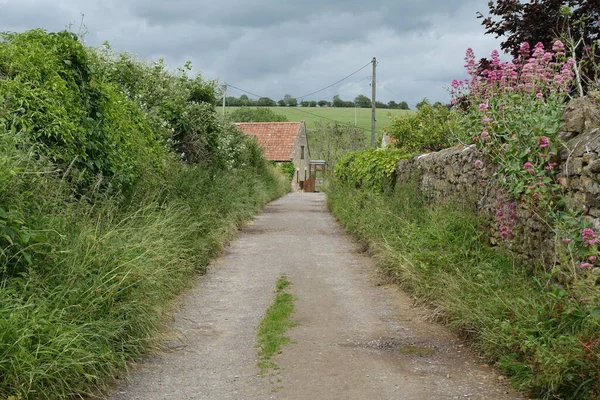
(345, 115)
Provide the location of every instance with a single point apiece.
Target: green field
(311, 115)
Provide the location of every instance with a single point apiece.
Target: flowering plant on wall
(514, 109)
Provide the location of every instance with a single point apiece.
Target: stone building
(282, 142)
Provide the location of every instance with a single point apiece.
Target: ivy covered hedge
(49, 89)
(118, 183)
(373, 169)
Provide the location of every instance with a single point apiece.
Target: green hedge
(118, 183)
(49, 89)
(375, 169)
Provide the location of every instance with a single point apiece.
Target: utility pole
(373, 97)
(224, 96)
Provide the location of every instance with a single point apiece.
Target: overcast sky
(274, 47)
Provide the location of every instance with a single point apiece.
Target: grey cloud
(273, 47)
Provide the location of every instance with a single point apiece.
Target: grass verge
(271, 331)
(545, 338)
(101, 283)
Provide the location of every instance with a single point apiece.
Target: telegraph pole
(373, 97)
(224, 96)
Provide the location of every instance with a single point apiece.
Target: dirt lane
(357, 338)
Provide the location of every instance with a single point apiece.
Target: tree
(281, 103)
(245, 101)
(429, 129)
(423, 103)
(322, 103)
(233, 101)
(290, 101)
(331, 141)
(304, 103)
(403, 106)
(362, 101)
(312, 104)
(337, 101)
(379, 104)
(392, 105)
(265, 102)
(545, 21)
(258, 114)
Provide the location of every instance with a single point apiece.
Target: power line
(299, 110)
(245, 91)
(392, 92)
(335, 83)
(327, 118)
(234, 90)
(354, 83)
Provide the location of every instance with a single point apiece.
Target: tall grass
(106, 267)
(545, 338)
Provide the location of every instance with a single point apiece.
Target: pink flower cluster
(537, 72)
(589, 263)
(543, 142)
(529, 167)
(589, 237)
(507, 219)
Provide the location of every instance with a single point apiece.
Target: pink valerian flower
(478, 164)
(470, 63)
(589, 237)
(486, 120)
(528, 167)
(536, 196)
(585, 265)
(592, 259)
(543, 142)
(483, 106)
(536, 73)
(539, 95)
(552, 154)
(507, 219)
(558, 47)
(485, 135)
(567, 240)
(524, 50)
(551, 166)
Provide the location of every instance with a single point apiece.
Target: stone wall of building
(451, 175)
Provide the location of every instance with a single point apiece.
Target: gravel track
(357, 337)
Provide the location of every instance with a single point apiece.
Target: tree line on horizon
(360, 101)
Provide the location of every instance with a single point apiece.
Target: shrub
(258, 114)
(331, 141)
(288, 169)
(429, 129)
(372, 169)
(49, 91)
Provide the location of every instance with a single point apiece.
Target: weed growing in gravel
(271, 331)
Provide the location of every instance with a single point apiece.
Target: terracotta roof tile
(276, 138)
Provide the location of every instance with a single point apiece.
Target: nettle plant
(515, 108)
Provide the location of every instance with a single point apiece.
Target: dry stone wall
(451, 175)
